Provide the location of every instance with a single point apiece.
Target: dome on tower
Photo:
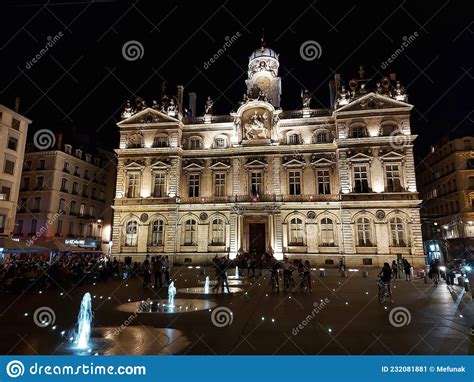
(263, 52)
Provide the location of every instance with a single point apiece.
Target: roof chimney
(337, 82)
(192, 103)
(179, 97)
(17, 104)
(332, 93)
(393, 76)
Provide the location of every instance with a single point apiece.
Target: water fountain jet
(84, 320)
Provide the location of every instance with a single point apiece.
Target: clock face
(263, 83)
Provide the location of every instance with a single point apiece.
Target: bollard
(344, 274)
(467, 287)
(322, 273)
(461, 281)
(365, 274)
(426, 279)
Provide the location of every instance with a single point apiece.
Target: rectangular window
(34, 223)
(39, 182)
(70, 230)
(294, 182)
(62, 205)
(392, 172)
(25, 184)
(15, 124)
(74, 188)
(28, 165)
(41, 164)
(133, 185)
(91, 211)
(5, 193)
(72, 209)
(195, 144)
(219, 184)
(36, 204)
(194, 185)
(256, 183)
(64, 185)
(59, 230)
(9, 167)
(159, 185)
(3, 223)
(12, 143)
(361, 182)
(324, 183)
(219, 143)
(82, 210)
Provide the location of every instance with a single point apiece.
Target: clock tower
(263, 75)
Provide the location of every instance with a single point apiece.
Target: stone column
(175, 177)
(236, 167)
(344, 175)
(276, 175)
(409, 170)
(278, 228)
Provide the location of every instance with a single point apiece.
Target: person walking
(307, 275)
(395, 269)
(407, 269)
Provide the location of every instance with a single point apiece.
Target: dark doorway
(257, 238)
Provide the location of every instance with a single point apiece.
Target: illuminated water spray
(171, 294)
(237, 272)
(84, 320)
(206, 285)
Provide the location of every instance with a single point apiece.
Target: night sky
(80, 85)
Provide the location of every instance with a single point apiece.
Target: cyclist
(386, 277)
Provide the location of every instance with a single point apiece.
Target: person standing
(395, 269)
(158, 272)
(146, 271)
(407, 269)
(166, 269)
(307, 275)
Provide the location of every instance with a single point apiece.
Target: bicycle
(383, 291)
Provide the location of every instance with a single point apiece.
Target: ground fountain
(84, 320)
(171, 294)
(206, 285)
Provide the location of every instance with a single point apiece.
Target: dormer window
(88, 158)
(68, 149)
(219, 143)
(321, 137)
(78, 153)
(160, 141)
(195, 143)
(294, 139)
(97, 162)
(358, 132)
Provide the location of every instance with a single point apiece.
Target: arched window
(327, 233)
(217, 232)
(389, 129)
(135, 141)
(397, 230)
(195, 143)
(294, 139)
(190, 229)
(358, 132)
(364, 232)
(296, 232)
(131, 233)
(157, 231)
(321, 137)
(160, 141)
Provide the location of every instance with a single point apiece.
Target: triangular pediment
(159, 165)
(392, 155)
(134, 166)
(256, 163)
(219, 166)
(193, 167)
(373, 101)
(322, 162)
(147, 116)
(360, 157)
(294, 163)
